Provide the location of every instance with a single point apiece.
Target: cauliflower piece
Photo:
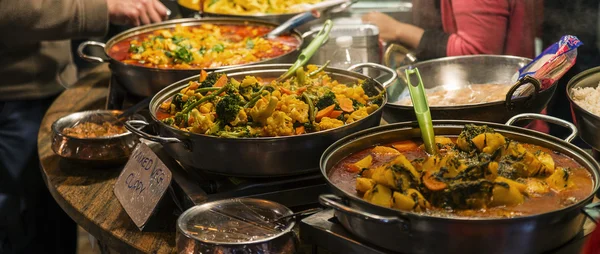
(200, 123)
(279, 124)
(296, 109)
(356, 93)
(361, 113)
(329, 123)
(241, 118)
(206, 107)
(249, 81)
(263, 109)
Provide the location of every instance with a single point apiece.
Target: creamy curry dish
(94, 130)
(479, 174)
(468, 95)
(310, 101)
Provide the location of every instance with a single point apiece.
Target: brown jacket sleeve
(23, 21)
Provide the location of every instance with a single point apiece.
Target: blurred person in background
(36, 65)
(463, 27)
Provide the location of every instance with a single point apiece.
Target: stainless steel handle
(333, 201)
(592, 211)
(395, 48)
(550, 119)
(129, 125)
(292, 23)
(379, 67)
(87, 57)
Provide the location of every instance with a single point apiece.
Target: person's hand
(388, 26)
(136, 12)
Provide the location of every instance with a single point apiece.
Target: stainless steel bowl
(241, 225)
(102, 151)
(586, 121)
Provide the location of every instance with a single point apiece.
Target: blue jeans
(30, 219)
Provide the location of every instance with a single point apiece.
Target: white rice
(588, 98)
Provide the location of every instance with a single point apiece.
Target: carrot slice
(405, 145)
(285, 90)
(300, 130)
(335, 113)
(221, 81)
(431, 183)
(352, 168)
(346, 104)
(324, 112)
(203, 75)
(301, 90)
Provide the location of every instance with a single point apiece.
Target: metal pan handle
(335, 202)
(524, 81)
(550, 119)
(592, 211)
(87, 57)
(396, 48)
(378, 67)
(130, 126)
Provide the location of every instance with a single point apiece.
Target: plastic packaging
(345, 56)
(551, 64)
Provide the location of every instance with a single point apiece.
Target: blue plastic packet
(551, 64)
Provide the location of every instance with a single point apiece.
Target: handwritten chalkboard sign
(142, 184)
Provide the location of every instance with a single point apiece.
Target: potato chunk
(536, 187)
(507, 192)
(364, 184)
(489, 142)
(560, 179)
(384, 150)
(379, 195)
(403, 202)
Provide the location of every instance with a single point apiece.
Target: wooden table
(86, 194)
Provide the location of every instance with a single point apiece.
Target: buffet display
(224, 98)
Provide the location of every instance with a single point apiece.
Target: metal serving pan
(145, 81)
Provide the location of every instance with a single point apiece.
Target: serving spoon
(421, 107)
(309, 51)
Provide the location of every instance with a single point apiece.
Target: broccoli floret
(178, 101)
(356, 105)
(211, 79)
(228, 107)
(326, 100)
(168, 121)
(370, 88)
(236, 132)
(310, 127)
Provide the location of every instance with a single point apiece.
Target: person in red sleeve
(468, 27)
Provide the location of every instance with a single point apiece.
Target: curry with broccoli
(480, 173)
(310, 101)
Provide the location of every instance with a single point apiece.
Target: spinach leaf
(136, 49)
(183, 55)
(218, 48)
(249, 44)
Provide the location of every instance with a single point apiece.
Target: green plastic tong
(419, 100)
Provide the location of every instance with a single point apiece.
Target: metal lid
(235, 221)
